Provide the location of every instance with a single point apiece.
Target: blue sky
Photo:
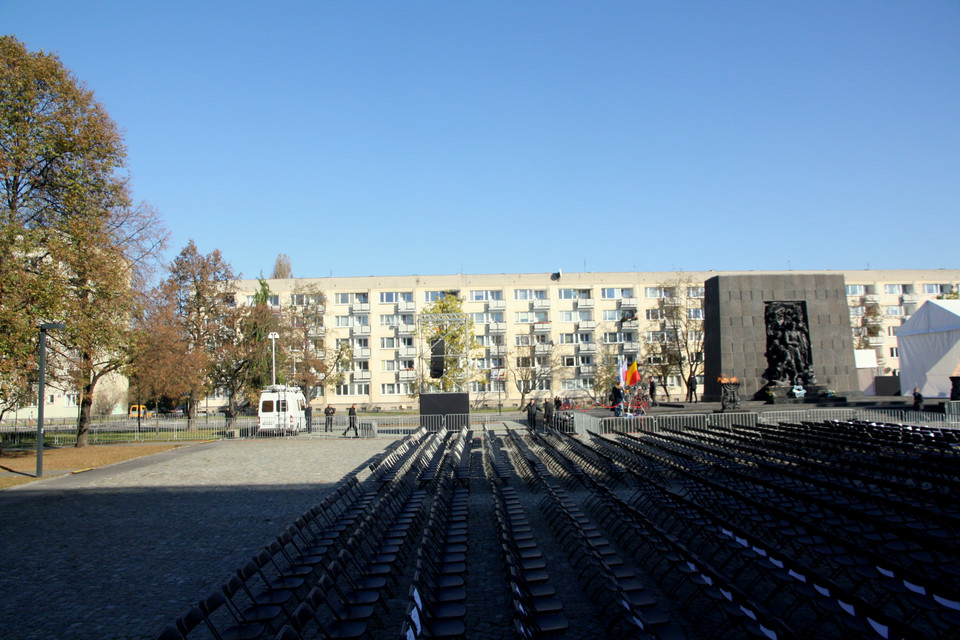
(392, 138)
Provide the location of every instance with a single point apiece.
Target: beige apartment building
(568, 322)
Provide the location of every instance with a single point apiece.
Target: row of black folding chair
(437, 594)
(461, 458)
(794, 592)
(699, 588)
(628, 609)
(433, 456)
(602, 467)
(878, 579)
(495, 459)
(538, 610)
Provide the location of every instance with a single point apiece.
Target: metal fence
(891, 416)
(122, 429)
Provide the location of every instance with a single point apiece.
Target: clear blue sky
(392, 138)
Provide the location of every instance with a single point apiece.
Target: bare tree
(282, 268)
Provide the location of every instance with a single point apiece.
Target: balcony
(317, 331)
(360, 330)
(406, 329)
(362, 353)
(585, 303)
(407, 375)
(361, 376)
(873, 320)
(587, 370)
(875, 341)
(496, 305)
(630, 324)
(406, 305)
(587, 347)
(871, 298)
(498, 350)
(543, 349)
(909, 298)
(497, 327)
(629, 303)
(542, 327)
(541, 303)
(631, 347)
(360, 307)
(587, 325)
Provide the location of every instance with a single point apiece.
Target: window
(486, 317)
(388, 343)
(273, 301)
(854, 289)
(406, 365)
(73, 399)
(574, 294)
(694, 292)
(673, 381)
(936, 289)
(392, 297)
(395, 319)
(653, 292)
(350, 298)
(856, 312)
(892, 331)
(494, 340)
(654, 314)
(611, 315)
(529, 294)
(482, 295)
(694, 314)
(893, 311)
(619, 337)
(433, 296)
(616, 293)
(395, 389)
(527, 340)
(361, 365)
(354, 389)
(895, 289)
(352, 321)
(388, 365)
(576, 384)
(405, 341)
(661, 336)
(540, 384)
(695, 336)
(894, 352)
(577, 315)
(531, 316)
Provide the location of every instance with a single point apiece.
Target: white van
(281, 410)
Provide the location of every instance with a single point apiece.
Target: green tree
(202, 291)
(73, 247)
(444, 318)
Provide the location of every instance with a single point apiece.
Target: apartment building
(572, 321)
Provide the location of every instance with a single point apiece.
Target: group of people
(549, 410)
(617, 397)
(330, 411)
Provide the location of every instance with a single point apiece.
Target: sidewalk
(121, 551)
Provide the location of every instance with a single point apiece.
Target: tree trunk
(86, 406)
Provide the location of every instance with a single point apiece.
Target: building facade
(562, 326)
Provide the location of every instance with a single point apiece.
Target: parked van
(139, 410)
(281, 410)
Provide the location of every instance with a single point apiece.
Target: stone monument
(774, 332)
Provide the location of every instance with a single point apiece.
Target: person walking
(352, 422)
(328, 418)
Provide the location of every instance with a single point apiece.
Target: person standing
(653, 392)
(352, 421)
(531, 409)
(328, 418)
(548, 413)
(616, 398)
(917, 399)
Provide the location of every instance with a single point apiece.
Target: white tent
(929, 344)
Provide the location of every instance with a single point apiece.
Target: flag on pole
(633, 375)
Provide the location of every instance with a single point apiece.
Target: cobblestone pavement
(121, 551)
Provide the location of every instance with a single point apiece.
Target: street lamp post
(43, 369)
(273, 335)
